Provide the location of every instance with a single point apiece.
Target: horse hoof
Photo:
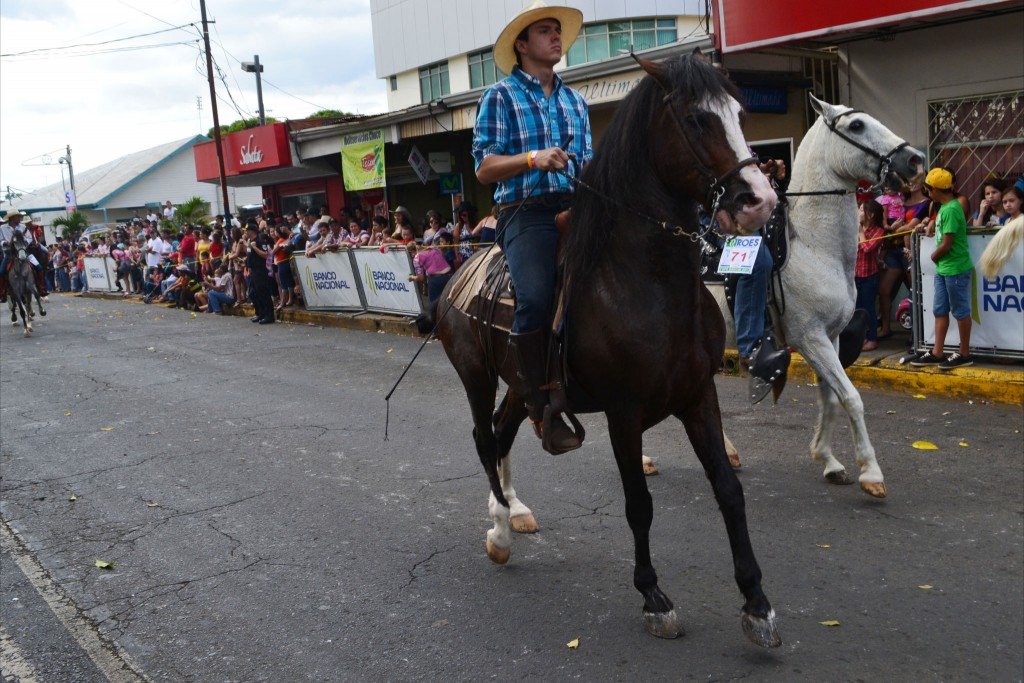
(874, 488)
(43, 313)
(650, 469)
(498, 555)
(734, 461)
(663, 624)
(522, 524)
(762, 631)
(839, 477)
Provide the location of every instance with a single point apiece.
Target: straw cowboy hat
(12, 214)
(570, 18)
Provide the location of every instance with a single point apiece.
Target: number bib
(739, 254)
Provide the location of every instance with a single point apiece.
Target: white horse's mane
(1001, 247)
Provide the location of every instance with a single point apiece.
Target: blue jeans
(953, 295)
(218, 299)
(751, 299)
(529, 241)
(867, 296)
(63, 280)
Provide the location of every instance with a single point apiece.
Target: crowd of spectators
(207, 267)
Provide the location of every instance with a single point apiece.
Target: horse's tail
(1001, 248)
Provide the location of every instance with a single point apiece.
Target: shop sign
(451, 183)
(254, 149)
(764, 100)
(608, 88)
(419, 165)
(748, 24)
(362, 160)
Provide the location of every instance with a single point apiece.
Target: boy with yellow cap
(952, 274)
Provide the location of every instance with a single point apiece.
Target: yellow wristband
(531, 158)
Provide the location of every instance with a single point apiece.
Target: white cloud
(107, 105)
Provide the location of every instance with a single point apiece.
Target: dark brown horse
(643, 337)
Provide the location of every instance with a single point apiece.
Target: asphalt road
(262, 529)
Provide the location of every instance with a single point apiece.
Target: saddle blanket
(483, 290)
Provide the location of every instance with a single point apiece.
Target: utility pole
(255, 67)
(66, 159)
(216, 120)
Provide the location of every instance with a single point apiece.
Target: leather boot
(529, 352)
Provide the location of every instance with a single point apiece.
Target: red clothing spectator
(187, 248)
(867, 252)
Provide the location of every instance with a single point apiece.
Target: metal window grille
(978, 137)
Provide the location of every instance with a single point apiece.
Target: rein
(884, 160)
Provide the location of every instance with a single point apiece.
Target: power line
(314, 104)
(104, 42)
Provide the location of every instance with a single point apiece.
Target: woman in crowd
(283, 267)
(236, 264)
(463, 235)
(431, 267)
(357, 237)
(872, 230)
(216, 249)
(990, 211)
(896, 256)
(483, 233)
(378, 234)
(403, 219)
(218, 291)
(203, 251)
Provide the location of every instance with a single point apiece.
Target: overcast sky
(319, 52)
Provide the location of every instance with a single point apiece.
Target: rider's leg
(529, 241)
(751, 299)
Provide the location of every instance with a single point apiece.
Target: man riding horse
(9, 230)
(528, 127)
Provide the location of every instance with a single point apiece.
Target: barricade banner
(385, 280)
(996, 304)
(100, 273)
(329, 282)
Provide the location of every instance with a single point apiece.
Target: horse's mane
(1001, 248)
(623, 169)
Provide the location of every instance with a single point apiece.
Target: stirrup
(554, 419)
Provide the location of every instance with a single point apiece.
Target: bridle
(884, 160)
(716, 185)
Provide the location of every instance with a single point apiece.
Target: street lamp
(257, 68)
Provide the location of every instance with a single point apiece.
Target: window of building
(434, 82)
(482, 70)
(394, 83)
(979, 136)
(602, 41)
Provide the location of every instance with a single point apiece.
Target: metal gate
(978, 137)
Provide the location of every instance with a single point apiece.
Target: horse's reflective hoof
(42, 313)
(498, 555)
(663, 624)
(650, 469)
(762, 631)
(874, 488)
(839, 477)
(522, 524)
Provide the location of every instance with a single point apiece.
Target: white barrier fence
(996, 304)
(364, 279)
(100, 273)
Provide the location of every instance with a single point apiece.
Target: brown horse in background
(643, 338)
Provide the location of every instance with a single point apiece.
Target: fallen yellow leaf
(106, 429)
(964, 444)
(920, 396)
(890, 412)
(925, 587)
(948, 412)
(67, 413)
(152, 433)
(573, 644)
(390, 350)
(830, 623)
(925, 446)
(194, 315)
(823, 545)
(104, 565)
(152, 505)
(73, 498)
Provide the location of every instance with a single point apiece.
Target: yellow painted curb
(978, 383)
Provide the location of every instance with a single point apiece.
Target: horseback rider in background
(9, 231)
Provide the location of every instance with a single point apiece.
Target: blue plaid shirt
(513, 116)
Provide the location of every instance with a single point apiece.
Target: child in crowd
(990, 211)
(867, 272)
(952, 274)
(892, 203)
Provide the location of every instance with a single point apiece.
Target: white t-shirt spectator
(169, 212)
(153, 257)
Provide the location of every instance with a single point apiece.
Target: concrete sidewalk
(986, 380)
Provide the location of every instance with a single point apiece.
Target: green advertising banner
(362, 160)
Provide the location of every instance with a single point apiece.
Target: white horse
(841, 148)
